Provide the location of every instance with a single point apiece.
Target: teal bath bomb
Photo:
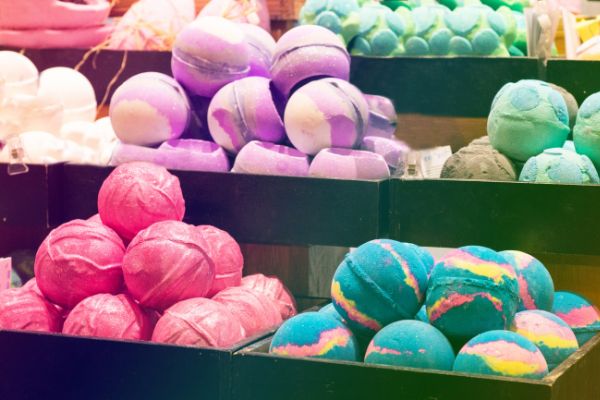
(412, 344)
(536, 288)
(432, 35)
(586, 133)
(526, 118)
(559, 165)
(339, 16)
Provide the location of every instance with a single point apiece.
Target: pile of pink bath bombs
(239, 101)
(136, 271)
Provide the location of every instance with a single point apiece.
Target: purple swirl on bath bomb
(349, 164)
(270, 159)
(261, 48)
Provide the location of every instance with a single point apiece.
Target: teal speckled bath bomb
(559, 166)
(339, 16)
(586, 133)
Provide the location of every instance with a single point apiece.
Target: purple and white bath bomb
(349, 164)
(208, 54)
(305, 52)
(149, 108)
(243, 111)
(393, 151)
(270, 159)
(326, 113)
(382, 116)
(261, 48)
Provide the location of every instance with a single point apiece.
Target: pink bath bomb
(95, 218)
(167, 263)
(136, 195)
(257, 312)
(109, 316)
(77, 260)
(33, 286)
(275, 290)
(198, 322)
(226, 255)
(24, 309)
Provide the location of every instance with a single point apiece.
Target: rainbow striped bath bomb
(502, 353)
(549, 333)
(380, 282)
(411, 344)
(580, 314)
(472, 290)
(315, 334)
(536, 288)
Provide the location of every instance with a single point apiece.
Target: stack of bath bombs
(426, 28)
(136, 271)
(475, 310)
(51, 115)
(241, 102)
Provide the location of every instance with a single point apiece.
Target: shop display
(348, 164)
(27, 310)
(339, 16)
(580, 314)
(586, 133)
(559, 165)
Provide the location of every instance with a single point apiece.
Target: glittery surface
(24, 309)
(349, 164)
(264, 158)
(273, 288)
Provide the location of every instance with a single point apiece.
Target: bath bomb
(349, 164)
(526, 118)
(198, 322)
(471, 290)
(148, 109)
(432, 35)
(536, 288)
(425, 256)
(308, 52)
(479, 162)
(382, 116)
(501, 353)
(380, 282)
(586, 133)
(570, 101)
(24, 113)
(549, 333)
(393, 151)
(226, 255)
(108, 316)
(330, 311)
(166, 263)
(77, 260)
(138, 194)
(559, 165)
(19, 74)
(412, 344)
(256, 312)
(274, 289)
(264, 158)
(74, 91)
(339, 16)
(326, 113)
(208, 54)
(24, 309)
(570, 145)
(422, 314)
(580, 314)
(243, 111)
(39, 148)
(261, 48)
(314, 334)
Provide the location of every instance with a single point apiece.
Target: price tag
(427, 163)
(5, 269)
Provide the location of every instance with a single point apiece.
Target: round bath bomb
(138, 194)
(24, 309)
(227, 256)
(580, 314)
(570, 101)
(148, 109)
(198, 322)
(479, 162)
(330, 311)
(501, 353)
(393, 151)
(586, 133)
(256, 312)
(308, 52)
(380, 282)
(432, 36)
(77, 260)
(193, 155)
(536, 288)
(73, 90)
(264, 158)
(422, 315)
(349, 164)
(326, 113)
(166, 263)
(526, 118)
(471, 290)
(243, 111)
(274, 289)
(339, 16)
(261, 48)
(412, 344)
(314, 334)
(208, 54)
(425, 256)
(549, 333)
(559, 165)
(108, 316)
(18, 73)
(382, 116)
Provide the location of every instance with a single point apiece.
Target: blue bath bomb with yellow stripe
(380, 282)
(471, 290)
(425, 256)
(412, 344)
(536, 288)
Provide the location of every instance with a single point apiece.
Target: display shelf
(580, 78)
(258, 208)
(259, 375)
